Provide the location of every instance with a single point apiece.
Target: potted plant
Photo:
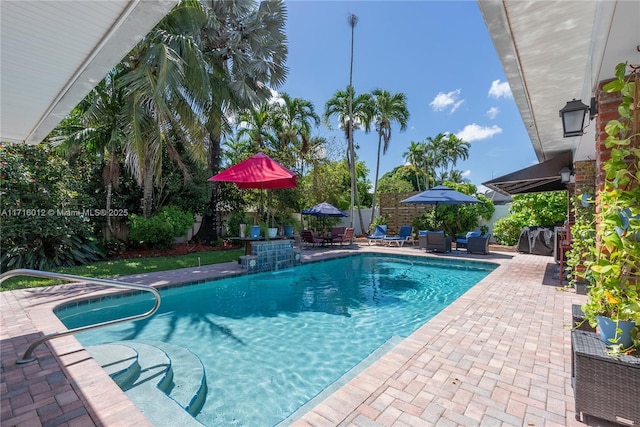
(614, 299)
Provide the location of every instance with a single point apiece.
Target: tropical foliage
(161, 229)
(434, 160)
(583, 233)
(531, 210)
(616, 266)
(387, 109)
(45, 211)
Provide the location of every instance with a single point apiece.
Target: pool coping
(91, 396)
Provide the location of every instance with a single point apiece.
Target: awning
(538, 178)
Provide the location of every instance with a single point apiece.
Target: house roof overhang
(52, 53)
(553, 52)
(540, 177)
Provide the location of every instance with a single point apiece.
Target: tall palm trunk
(147, 187)
(353, 20)
(209, 228)
(355, 197)
(375, 183)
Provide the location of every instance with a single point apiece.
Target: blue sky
(438, 53)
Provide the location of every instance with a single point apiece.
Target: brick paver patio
(499, 355)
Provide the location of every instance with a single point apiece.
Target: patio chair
(422, 238)
(461, 242)
(308, 239)
(436, 241)
(337, 232)
(344, 238)
(403, 236)
(479, 244)
(379, 233)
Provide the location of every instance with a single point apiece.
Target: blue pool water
(270, 342)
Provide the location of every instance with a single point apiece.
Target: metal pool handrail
(26, 358)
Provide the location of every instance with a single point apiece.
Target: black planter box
(605, 387)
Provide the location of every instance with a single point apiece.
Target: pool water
(270, 342)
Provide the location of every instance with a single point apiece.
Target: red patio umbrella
(258, 171)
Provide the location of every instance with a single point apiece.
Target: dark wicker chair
(436, 241)
(478, 244)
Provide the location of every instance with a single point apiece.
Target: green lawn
(126, 267)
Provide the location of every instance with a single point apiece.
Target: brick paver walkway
(499, 355)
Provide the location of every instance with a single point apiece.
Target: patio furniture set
(339, 236)
(432, 241)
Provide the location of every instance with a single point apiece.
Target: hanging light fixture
(573, 115)
(565, 175)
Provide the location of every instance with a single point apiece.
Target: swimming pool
(270, 342)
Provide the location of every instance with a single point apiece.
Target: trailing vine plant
(580, 257)
(615, 269)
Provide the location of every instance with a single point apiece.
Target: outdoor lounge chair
(345, 238)
(379, 233)
(308, 239)
(478, 244)
(436, 241)
(461, 242)
(403, 236)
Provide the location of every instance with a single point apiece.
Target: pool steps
(165, 381)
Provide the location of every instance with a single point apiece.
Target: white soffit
(554, 51)
(52, 53)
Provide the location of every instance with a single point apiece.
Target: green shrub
(507, 231)
(546, 209)
(233, 224)
(161, 229)
(46, 212)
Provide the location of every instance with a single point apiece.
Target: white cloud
(466, 173)
(475, 132)
(444, 101)
(493, 112)
(500, 90)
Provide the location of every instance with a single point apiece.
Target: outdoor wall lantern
(573, 115)
(565, 174)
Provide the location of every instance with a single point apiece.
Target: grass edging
(126, 267)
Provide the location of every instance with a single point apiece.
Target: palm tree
(353, 112)
(351, 152)
(455, 149)
(246, 50)
(166, 87)
(294, 119)
(257, 124)
(388, 108)
(415, 156)
(436, 156)
(99, 132)
(149, 103)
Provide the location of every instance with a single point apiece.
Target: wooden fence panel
(400, 213)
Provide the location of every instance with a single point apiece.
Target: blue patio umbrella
(324, 210)
(440, 195)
